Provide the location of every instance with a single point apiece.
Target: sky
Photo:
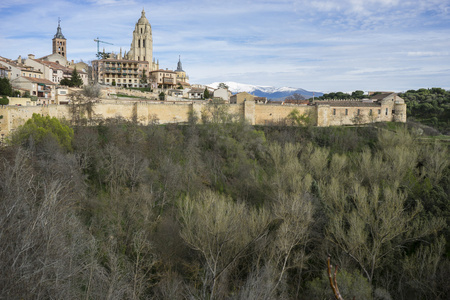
(317, 45)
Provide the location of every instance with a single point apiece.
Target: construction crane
(98, 44)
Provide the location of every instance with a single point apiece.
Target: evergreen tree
(66, 81)
(206, 94)
(76, 79)
(5, 87)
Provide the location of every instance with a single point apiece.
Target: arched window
(143, 43)
(139, 43)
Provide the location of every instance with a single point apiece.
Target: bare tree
(295, 98)
(219, 229)
(375, 225)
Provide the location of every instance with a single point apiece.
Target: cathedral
(132, 68)
(142, 43)
(137, 67)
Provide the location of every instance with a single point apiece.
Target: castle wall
(275, 113)
(349, 115)
(178, 112)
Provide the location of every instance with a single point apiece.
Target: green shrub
(4, 101)
(40, 128)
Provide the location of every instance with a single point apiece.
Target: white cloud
(428, 53)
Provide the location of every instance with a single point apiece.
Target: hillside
(222, 210)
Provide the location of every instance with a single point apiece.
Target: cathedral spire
(179, 66)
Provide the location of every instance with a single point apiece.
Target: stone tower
(59, 42)
(142, 44)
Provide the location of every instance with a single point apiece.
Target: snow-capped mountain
(274, 93)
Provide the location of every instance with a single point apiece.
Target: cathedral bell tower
(59, 42)
(142, 44)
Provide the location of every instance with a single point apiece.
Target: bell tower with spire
(181, 74)
(59, 42)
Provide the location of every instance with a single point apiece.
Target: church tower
(179, 65)
(142, 44)
(59, 42)
(181, 74)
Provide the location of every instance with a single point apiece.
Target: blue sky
(320, 45)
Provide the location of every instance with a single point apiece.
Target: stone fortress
(128, 69)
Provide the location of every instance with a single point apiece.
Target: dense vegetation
(222, 211)
(340, 95)
(430, 107)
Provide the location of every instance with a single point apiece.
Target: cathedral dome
(143, 20)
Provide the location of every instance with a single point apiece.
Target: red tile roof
(40, 80)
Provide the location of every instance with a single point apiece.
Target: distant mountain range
(273, 93)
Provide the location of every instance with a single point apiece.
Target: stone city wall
(178, 112)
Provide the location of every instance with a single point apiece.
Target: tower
(142, 44)
(179, 66)
(181, 74)
(59, 42)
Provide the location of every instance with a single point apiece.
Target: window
(393, 111)
(334, 111)
(379, 111)
(387, 111)
(139, 43)
(143, 44)
(359, 111)
(346, 112)
(370, 112)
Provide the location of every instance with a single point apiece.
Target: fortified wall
(324, 113)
